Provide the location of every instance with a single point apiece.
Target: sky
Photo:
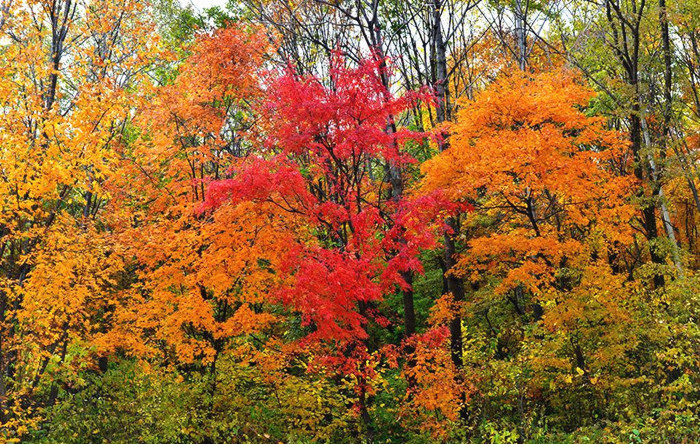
(201, 4)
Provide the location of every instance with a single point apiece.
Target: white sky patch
(201, 4)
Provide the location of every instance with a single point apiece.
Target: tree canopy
(349, 221)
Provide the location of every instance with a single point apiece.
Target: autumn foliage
(242, 226)
(317, 168)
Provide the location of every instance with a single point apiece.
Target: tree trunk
(659, 191)
(521, 32)
(443, 110)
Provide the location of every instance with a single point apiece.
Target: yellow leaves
(60, 266)
(71, 269)
(56, 152)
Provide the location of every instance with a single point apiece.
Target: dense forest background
(377, 221)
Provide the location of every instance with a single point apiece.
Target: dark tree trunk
(443, 111)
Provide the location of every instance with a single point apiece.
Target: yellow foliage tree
(67, 76)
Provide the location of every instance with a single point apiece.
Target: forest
(350, 221)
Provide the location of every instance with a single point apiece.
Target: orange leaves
(436, 395)
(443, 311)
(201, 280)
(552, 212)
(227, 62)
(205, 277)
(522, 136)
(221, 72)
(519, 257)
(542, 174)
(244, 322)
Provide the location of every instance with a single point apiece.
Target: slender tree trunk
(626, 38)
(666, 129)
(668, 75)
(659, 191)
(648, 208)
(521, 32)
(409, 311)
(443, 111)
(395, 174)
(689, 171)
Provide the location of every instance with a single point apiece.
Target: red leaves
(259, 179)
(347, 121)
(326, 288)
(352, 239)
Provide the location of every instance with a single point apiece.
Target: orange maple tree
(551, 221)
(545, 174)
(199, 278)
